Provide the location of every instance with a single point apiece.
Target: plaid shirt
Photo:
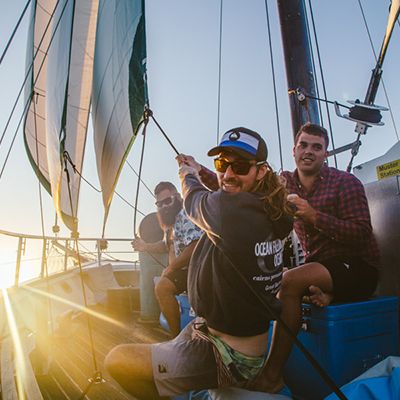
(208, 178)
(343, 225)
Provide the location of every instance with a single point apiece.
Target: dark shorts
(183, 364)
(179, 279)
(353, 279)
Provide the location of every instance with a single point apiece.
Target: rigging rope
(97, 373)
(145, 121)
(44, 266)
(293, 336)
(14, 31)
(274, 85)
(148, 189)
(68, 157)
(219, 71)
(31, 66)
(322, 79)
(376, 60)
(147, 114)
(164, 134)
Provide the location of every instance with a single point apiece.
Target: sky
(183, 65)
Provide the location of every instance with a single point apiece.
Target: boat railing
(25, 257)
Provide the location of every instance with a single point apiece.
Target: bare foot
(318, 297)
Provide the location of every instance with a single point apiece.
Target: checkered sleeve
(208, 178)
(351, 223)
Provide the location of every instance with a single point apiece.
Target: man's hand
(188, 160)
(139, 244)
(303, 209)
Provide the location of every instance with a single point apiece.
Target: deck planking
(72, 363)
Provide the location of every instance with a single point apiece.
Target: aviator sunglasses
(239, 167)
(166, 202)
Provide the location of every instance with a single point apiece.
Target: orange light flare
(76, 306)
(20, 366)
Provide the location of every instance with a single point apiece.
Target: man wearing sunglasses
(180, 238)
(234, 275)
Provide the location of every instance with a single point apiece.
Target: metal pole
(299, 71)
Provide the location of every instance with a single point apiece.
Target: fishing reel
(366, 115)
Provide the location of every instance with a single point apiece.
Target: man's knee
(165, 287)
(129, 361)
(114, 362)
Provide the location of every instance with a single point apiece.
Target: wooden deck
(72, 367)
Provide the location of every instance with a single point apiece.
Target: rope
(376, 60)
(146, 121)
(14, 31)
(219, 70)
(147, 114)
(365, 114)
(162, 131)
(148, 189)
(68, 158)
(31, 66)
(97, 372)
(293, 336)
(274, 85)
(322, 79)
(44, 257)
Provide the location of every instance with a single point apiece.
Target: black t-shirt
(241, 247)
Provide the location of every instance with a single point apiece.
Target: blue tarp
(381, 382)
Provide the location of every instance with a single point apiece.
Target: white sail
(119, 88)
(69, 82)
(35, 92)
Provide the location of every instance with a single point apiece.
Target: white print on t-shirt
(269, 255)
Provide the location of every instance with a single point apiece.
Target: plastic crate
(346, 339)
(186, 311)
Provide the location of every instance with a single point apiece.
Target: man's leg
(295, 284)
(165, 293)
(130, 365)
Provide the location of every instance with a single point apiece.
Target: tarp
(381, 382)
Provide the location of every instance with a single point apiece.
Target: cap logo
(234, 136)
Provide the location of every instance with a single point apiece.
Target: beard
(166, 215)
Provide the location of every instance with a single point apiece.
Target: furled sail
(66, 87)
(119, 87)
(393, 15)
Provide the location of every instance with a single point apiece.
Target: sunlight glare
(75, 305)
(18, 350)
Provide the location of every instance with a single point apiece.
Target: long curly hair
(273, 188)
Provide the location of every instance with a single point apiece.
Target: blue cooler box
(187, 312)
(346, 339)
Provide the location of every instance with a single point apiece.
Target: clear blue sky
(183, 44)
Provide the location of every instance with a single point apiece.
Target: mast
(299, 71)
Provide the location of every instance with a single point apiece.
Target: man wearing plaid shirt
(333, 224)
(334, 228)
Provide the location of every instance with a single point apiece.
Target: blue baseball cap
(245, 142)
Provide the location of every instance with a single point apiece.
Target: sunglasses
(165, 202)
(239, 167)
